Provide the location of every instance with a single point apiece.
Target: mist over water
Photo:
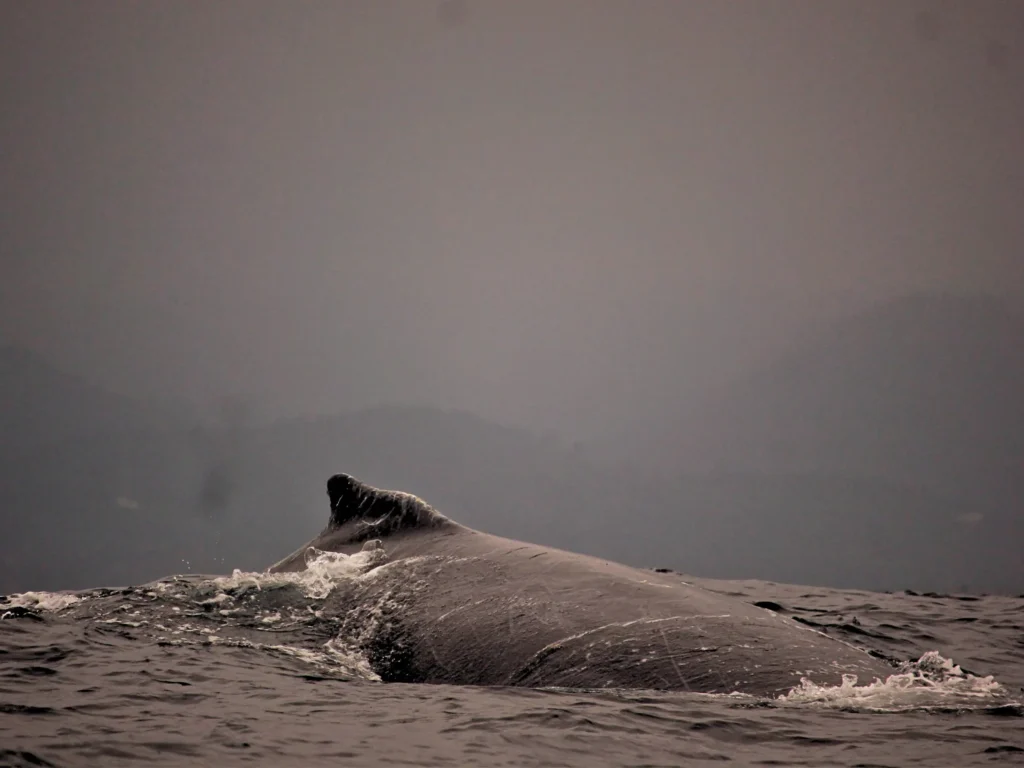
(691, 284)
(578, 218)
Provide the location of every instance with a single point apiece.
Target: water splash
(324, 571)
(933, 682)
(50, 602)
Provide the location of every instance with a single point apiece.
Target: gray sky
(555, 213)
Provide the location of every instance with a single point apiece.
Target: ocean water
(251, 669)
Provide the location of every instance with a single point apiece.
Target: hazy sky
(560, 213)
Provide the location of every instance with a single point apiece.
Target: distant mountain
(114, 501)
(821, 529)
(925, 391)
(42, 404)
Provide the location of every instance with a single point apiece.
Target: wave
(306, 617)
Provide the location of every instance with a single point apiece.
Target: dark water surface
(250, 669)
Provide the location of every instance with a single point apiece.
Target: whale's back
(456, 605)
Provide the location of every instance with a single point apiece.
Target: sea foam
(931, 682)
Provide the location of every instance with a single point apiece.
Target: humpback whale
(450, 604)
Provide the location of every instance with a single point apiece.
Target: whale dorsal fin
(350, 499)
(383, 511)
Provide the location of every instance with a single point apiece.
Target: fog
(579, 220)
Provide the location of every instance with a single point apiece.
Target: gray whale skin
(454, 605)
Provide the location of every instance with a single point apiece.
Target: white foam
(123, 623)
(41, 601)
(324, 571)
(339, 654)
(334, 658)
(216, 599)
(931, 682)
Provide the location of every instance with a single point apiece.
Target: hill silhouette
(925, 389)
(42, 404)
(924, 392)
(108, 490)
